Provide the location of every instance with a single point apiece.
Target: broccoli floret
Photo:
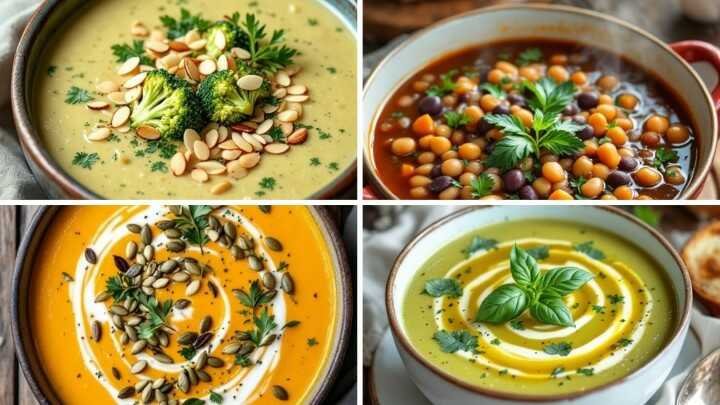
(168, 104)
(233, 37)
(226, 103)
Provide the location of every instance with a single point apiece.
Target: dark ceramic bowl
(22, 334)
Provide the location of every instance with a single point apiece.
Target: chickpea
(440, 145)
(443, 130)
(542, 187)
(525, 116)
(608, 196)
(599, 123)
(549, 157)
(419, 181)
(405, 101)
(624, 193)
(561, 185)
(480, 142)
(605, 99)
(474, 114)
(647, 177)
(625, 123)
(457, 137)
(496, 76)
(494, 134)
(579, 78)
(492, 197)
(626, 152)
(617, 135)
(507, 67)
(466, 178)
(600, 170)
(492, 170)
(526, 164)
(452, 167)
(466, 193)
(424, 170)
(420, 86)
(424, 142)
(419, 193)
(608, 154)
(488, 102)
(497, 182)
(403, 146)
(650, 139)
(449, 101)
(559, 59)
(450, 193)
(558, 73)
(387, 126)
(627, 101)
(608, 110)
(566, 163)
(657, 123)
(428, 77)
(463, 86)
(530, 73)
(426, 157)
(591, 148)
(474, 167)
(560, 195)
(469, 151)
(677, 133)
(593, 187)
(553, 172)
(451, 154)
(582, 167)
(608, 82)
(674, 175)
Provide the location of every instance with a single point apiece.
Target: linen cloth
(16, 180)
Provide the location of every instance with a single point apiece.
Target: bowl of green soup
(540, 305)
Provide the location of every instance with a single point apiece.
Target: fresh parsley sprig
(124, 52)
(439, 287)
(269, 56)
(187, 22)
(664, 156)
(192, 223)
(158, 312)
(264, 324)
(482, 185)
(541, 293)
(255, 296)
(446, 86)
(450, 342)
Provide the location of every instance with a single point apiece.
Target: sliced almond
(269, 108)
(135, 81)
(207, 67)
(199, 175)
(120, 117)
(298, 137)
(192, 36)
(280, 93)
(219, 40)
(171, 60)
(212, 167)
(209, 127)
(297, 90)
(282, 78)
(123, 129)
(189, 138)
(156, 46)
(288, 116)
(146, 68)
(236, 170)
(129, 66)
(222, 63)
(257, 146)
(230, 154)
(287, 128)
(223, 133)
(260, 139)
(98, 105)
(277, 148)
(228, 145)
(250, 82)
(191, 69)
(240, 53)
(99, 134)
(197, 45)
(132, 94)
(221, 187)
(297, 107)
(178, 164)
(117, 97)
(107, 87)
(297, 99)
(249, 160)
(178, 46)
(157, 35)
(138, 29)
(241, 143)
(211, 138)
(264, 127)
(215, 153)
(148, 133)
(201, 150)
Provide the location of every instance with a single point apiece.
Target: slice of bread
(702, 258)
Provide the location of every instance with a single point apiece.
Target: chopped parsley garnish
(216, 398)
(456, 119)
(188, 352)
(268, 183)
(51, 70)
(663, 157)
(331, 70)
(588, 249)
(192, 222)
(494, 90)
(187, 22)
(267, 56)
(599, 309)
(76, 95)
(124, 52)
(85, 160)
(255, 296)
(624, 342)
(439, 287)
(495, 342)
(312, 22)
(323, 135)
(158, 312)
(478, 244)
(450, 342)
(312, 342)
(446, 86)
(482, 185)
(276, 134)
(159, 167)
(243, 360)
(333, 166)
(560, 349)
(586, 371)
(529, 56)
(616, 299)
(556, 371)
(264, 324)
(314, 161)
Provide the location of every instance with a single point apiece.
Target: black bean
(618, 178)
(627, 164)
(436, 171)
(516, 99)
(513, 180)
(527, 192)
(586, 133)
(587, 101)
(484, 126)
(501, 110)
(439, 184)
(571, 109)
(430, 105)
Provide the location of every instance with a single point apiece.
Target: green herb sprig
(541, 293)
(187, 22)
(192, 223)
(270, 56)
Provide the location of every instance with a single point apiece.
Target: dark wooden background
(13, 387)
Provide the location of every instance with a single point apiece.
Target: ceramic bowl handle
(699, 51)
(369, 193)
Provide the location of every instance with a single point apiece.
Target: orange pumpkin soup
(155, 303)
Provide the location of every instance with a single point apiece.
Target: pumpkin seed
(203, 376)
(132, 334)
(287, 283)
(138, 367)
(212, 234)
(165, 224)
(134, 228)
(161, 283)
(90, 256)
(201, 360)
(103, 296)
(157, 384)
(255, 263)
(121, 264)
(117, 321)
(206, 324)
(138, 347)
(176, 246)
(192, 288)
(116, 373)
(213, 289)
(273, 244)
(232, 348)
(230, 230)
(182, 303)
(183, 382)
(215, 362)
(134, 270)
(96, 331)
(236, 252)
(175, 209)
(202, 340)
(192, 267)
(268, 280)
(134, 320)
(147, 394)
(124, 339)
(118, 310)
(168, 266)
(163, 358)
(173, 233)
(149, 252)
(180, 277)
(163, 338)
(280, 393)
(141, 385)
(131, 250)
(187, 338)
(146, 234)
(126, 392)
(246, 348)
(269, 339)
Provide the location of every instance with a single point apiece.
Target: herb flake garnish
(478, 243)
(192, 223)
(439, 287)
(560, 349)
(590, 251)
(76, 95)
(450, 342)
(446, 86)
(124, 52)
(85, 160)
(187, 22)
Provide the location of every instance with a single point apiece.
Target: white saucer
(389, 383)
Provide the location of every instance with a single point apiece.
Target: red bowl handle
(699, 51)
(369, 193)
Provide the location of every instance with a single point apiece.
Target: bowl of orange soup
(181, 304)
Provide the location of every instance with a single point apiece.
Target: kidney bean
(439, 184)
(430, 105)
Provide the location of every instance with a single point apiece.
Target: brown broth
(654, 95)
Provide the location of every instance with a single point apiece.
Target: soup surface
(622, 317)
(140, 322)
(79, 58)
(531, 119)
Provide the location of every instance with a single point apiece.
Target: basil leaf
(450, 342)
(563, 280)
(589, 250)
(540, 252)
(560, 349)
(551, 310)
(443, 287)
(478, 244)
(523, 267)
(505, 303)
